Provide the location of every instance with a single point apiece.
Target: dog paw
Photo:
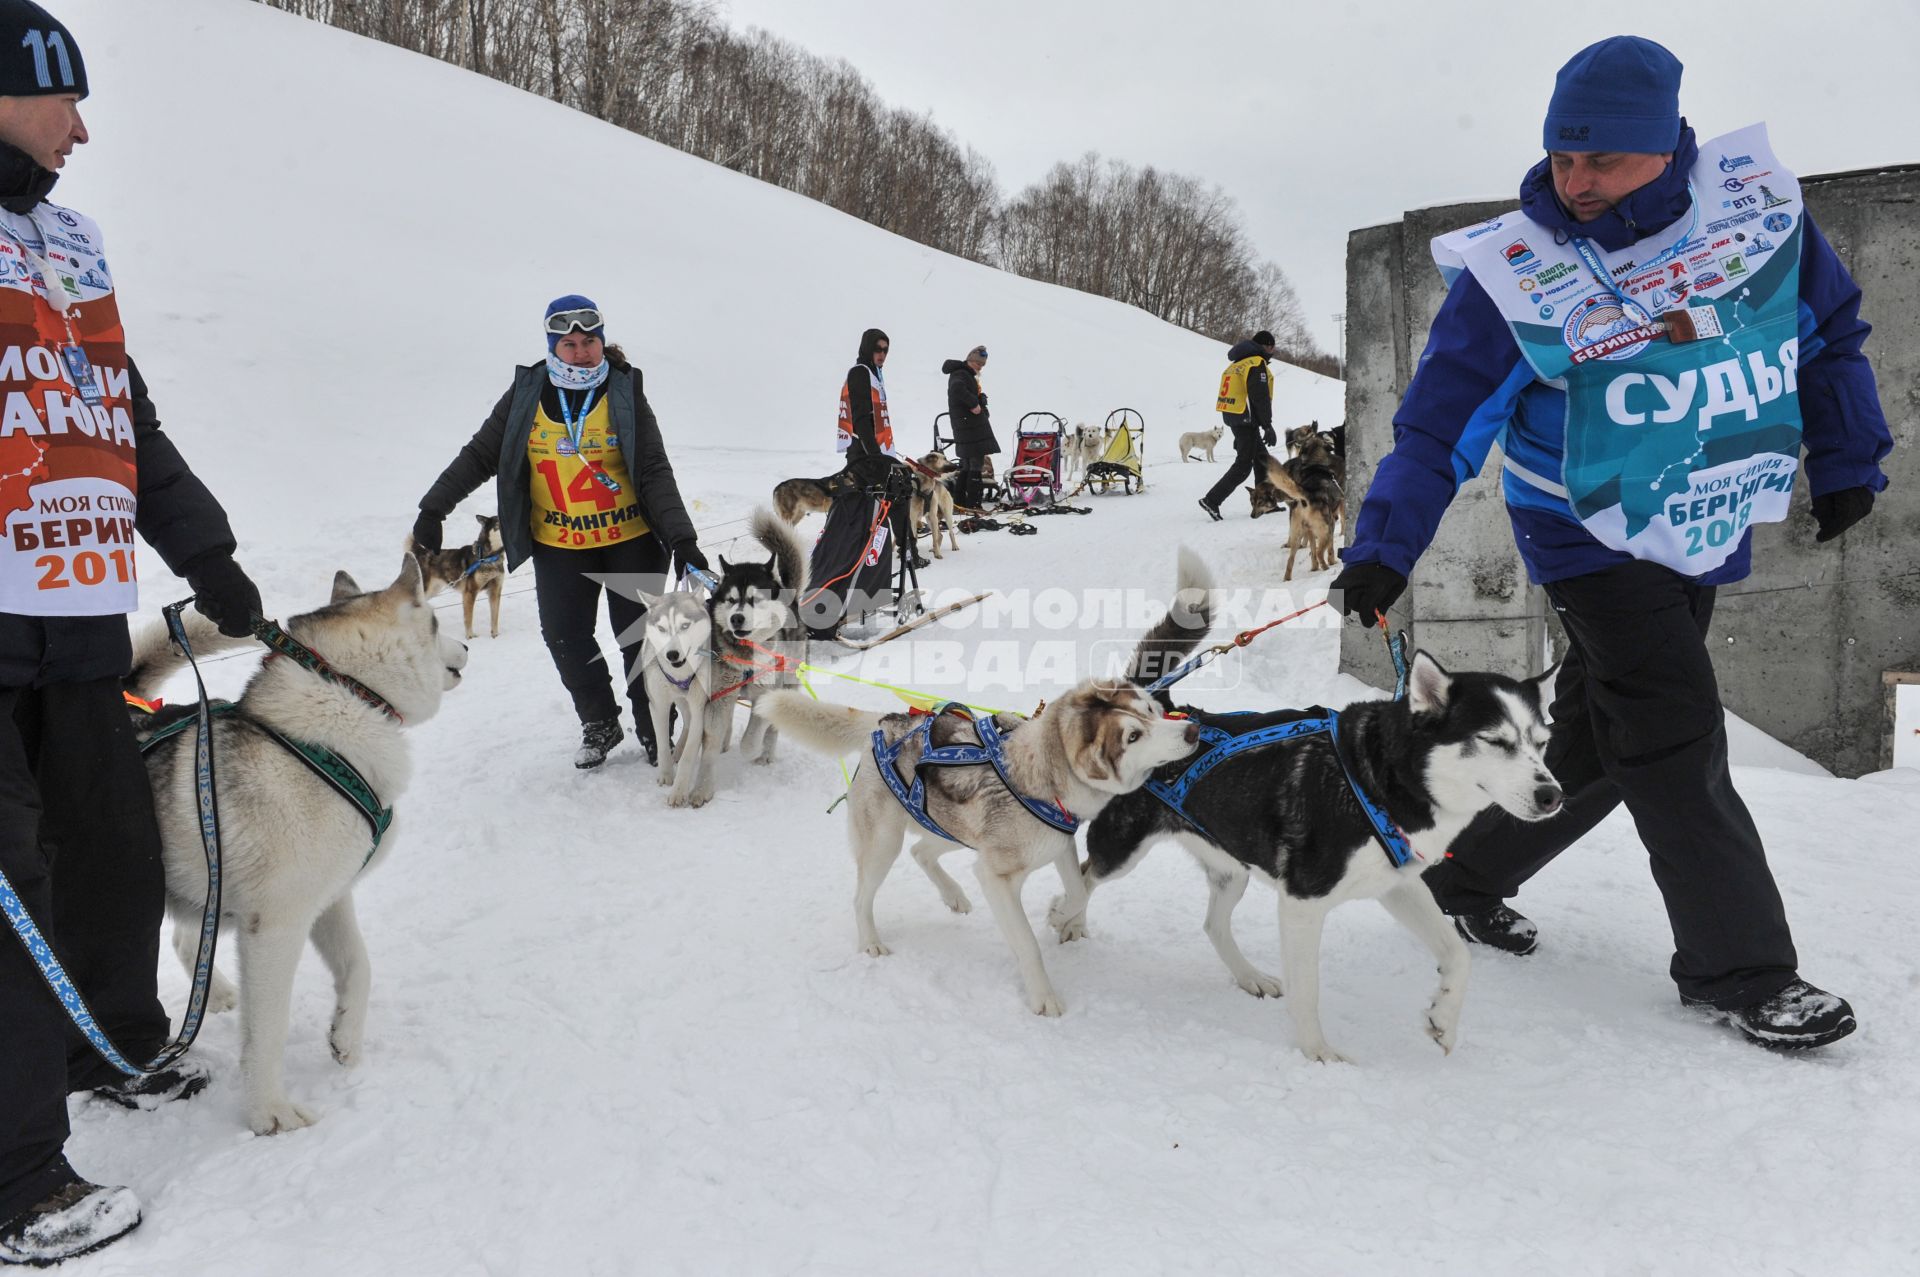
(279, 1116)
(665, 778)
(1260, 984)
(765, 758)
(1068, 928)
(700, 798)
(1324, 1054)
(1442, 1031)
(876, 950)
(957, 901)
(1046, 1003)
(345, 1042)
(221, 996)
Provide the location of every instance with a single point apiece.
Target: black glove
(687, 555)
(1369, 589)
(1268, 437)
(426, 532)
(223, 593)
(1838, 511)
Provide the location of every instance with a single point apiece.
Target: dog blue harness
(481, 563)
(1223, 745)
(991, 752)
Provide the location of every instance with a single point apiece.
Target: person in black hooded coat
(973, 437)
(851, 564)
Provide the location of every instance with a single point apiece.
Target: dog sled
(1119, 466)
(1039, 460)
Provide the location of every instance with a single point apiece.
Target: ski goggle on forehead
(562, 322)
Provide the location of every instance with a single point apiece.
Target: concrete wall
(1803, 644)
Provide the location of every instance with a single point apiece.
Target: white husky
(677, 662)
(293, 846)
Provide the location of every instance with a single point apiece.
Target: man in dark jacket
(1246, 405)
(78, 839)
(1629, 267)
(973, 438)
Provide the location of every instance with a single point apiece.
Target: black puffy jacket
(498, 451)
(972, 431)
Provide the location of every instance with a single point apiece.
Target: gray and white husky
(757, 634)
(1084, 750)
(677, 662)
(293, 847)
(1284, 811)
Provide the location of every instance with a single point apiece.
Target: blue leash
(49, 965)
(481, 563)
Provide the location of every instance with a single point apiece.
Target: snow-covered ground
(612, 1038)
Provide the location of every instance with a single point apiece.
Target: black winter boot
(181, 1080)
(1797, 1017)
(1500, 928)
(596, 742)
(74, 1219)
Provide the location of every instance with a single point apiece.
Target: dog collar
(284, 644)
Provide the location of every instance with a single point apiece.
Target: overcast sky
(1323, 118)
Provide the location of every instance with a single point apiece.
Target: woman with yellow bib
(586, 492)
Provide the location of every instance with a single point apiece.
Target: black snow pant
(79, 843)
(569, 600)
(1637, 719)
(842, 581)
(1248, 452)
(972, 466)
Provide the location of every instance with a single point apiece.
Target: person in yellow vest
(1246, 405)
(586, 491)
(83, 466)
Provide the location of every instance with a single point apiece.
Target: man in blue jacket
(1652, 340)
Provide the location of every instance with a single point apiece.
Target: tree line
(673, 71)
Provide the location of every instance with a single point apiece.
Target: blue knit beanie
(1622, 94)
(572, 301)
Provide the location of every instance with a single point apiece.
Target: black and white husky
(758, 639)
(1285, 811)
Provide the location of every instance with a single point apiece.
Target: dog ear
(1428, 685)
(1542, 685)
(410, 582)
(344, 586)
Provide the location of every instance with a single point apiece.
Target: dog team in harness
(1654, 360)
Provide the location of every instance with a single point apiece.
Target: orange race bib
(68, 482)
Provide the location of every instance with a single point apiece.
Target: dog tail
(783, 543)
(1282, 478)
(819, 725)
(156, 659)
(1180, 631)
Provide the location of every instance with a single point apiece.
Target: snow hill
(610, 1038)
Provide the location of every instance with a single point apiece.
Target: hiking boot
(1797, 1017)
(596, 742)
(1499, 927)
(76, 1218)
(1213, 511)
(181, 1080)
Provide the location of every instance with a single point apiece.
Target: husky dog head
(1266, 499)
(1113, 735)
(749, 603)
(757, 601)
(678, 632)
(488, 542)
(1486, 737)
(388, 639)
